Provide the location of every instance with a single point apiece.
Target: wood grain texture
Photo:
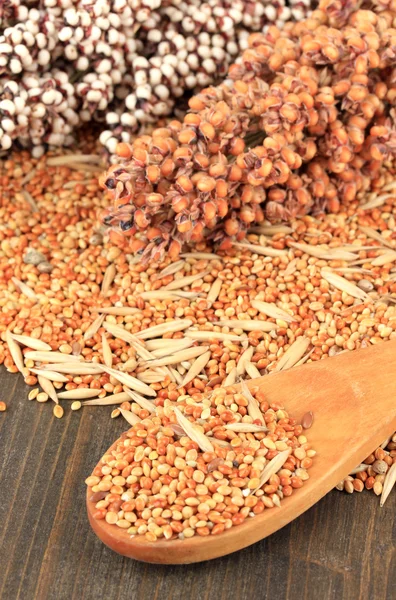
(343, 548)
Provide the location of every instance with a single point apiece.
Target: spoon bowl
(352, 397)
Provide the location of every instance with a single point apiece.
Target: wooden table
(342, 549)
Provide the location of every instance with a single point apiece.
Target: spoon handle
(352, 396)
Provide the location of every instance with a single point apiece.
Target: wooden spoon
(353, 398)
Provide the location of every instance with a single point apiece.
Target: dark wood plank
(343, 548)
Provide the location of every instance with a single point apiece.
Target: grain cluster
(120, 63)
(88, 325)
(304, 123)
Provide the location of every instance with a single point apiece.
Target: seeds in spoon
(198, 457)
(193, 432)
(252, 408)
(271, 468)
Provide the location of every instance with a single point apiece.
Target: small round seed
(42, 397)
(33, 394)
(58, 411)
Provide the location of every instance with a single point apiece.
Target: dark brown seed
(97, 496)
(215, 381)
(307, 420)
(177, 429)
(214, 464)
(76, 348)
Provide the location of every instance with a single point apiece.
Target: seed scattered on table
(42, 397)
(58, 411)
(291, 281)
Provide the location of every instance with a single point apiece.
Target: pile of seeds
(304, 123)
(94, 326)
(200, 466)
(377, 472)
(122, 63)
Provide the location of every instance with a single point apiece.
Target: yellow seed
(268, 443)
(253, 483)
(377, 488)
(58, 411)
(33, 394)
(3, 406)
(42, 397)
(65, 349)
(76, 405)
